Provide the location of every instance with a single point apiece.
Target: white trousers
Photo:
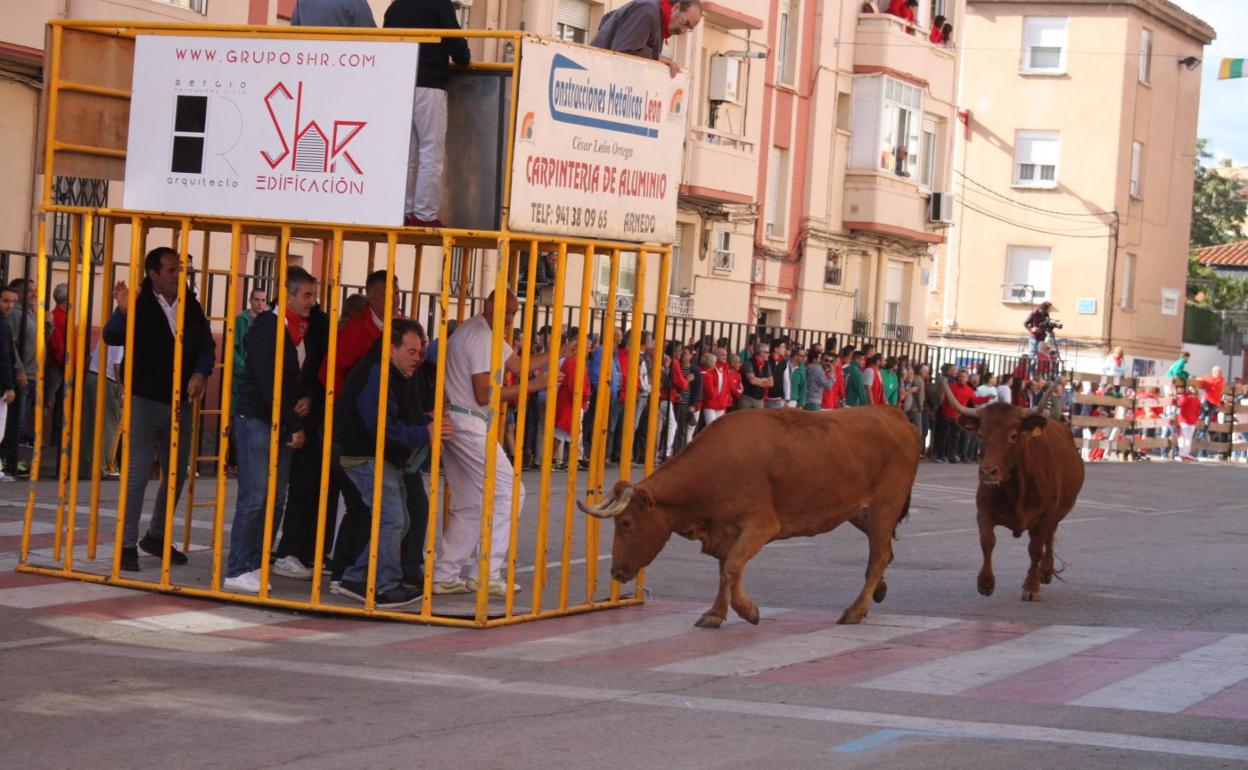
(463, 459)
(426, 153)
(1186, 432)
(711, 415)
(669, 435)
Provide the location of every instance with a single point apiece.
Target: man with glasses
(643, 26)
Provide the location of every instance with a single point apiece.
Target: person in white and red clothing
(1211, 387)
(715, 396)
(1187, 419)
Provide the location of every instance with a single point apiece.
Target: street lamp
(1191, 62)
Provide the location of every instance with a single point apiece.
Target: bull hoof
(880, 592)
(750, 614)
(852, 616)
(709, 621)
(987, 586)
(1031, 596)
(1046, 577)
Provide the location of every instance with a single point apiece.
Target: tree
(1219, 205)
(1208, 288)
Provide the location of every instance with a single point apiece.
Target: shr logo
(313, 150)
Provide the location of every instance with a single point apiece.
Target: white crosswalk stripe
(1178, 684)
(800, 648)
(591, 640)
(967, 670)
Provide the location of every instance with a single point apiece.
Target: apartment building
(1073, 180)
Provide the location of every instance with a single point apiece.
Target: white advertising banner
(268, 128)
(598, 144)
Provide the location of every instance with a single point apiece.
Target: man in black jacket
(427, 149)
(296, 550)
(8, 384)
(252, 420)
(151, 387)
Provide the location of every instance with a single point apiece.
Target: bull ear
(643, 498)
(968, 422)
(1034, 424)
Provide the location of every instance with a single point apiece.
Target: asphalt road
(1138, 658)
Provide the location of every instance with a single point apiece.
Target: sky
(1223, 103)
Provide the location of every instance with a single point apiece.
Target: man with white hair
(467, 387)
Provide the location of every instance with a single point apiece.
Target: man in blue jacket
(406, 445)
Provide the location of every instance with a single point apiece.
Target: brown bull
(1030, 474)
(761, 475)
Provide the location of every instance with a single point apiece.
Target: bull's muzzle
(622, 575)
(990, 474)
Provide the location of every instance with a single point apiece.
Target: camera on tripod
(1049, 325)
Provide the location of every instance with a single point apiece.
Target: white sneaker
(6, 477)
(455, 586)
(246, 583)
(496, 587)
(291, 567)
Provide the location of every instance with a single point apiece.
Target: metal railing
(897, 332)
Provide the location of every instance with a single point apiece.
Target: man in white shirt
(467, 384)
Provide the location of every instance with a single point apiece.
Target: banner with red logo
(271, 128)
(598, 145)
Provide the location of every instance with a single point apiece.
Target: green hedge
(1201, 326)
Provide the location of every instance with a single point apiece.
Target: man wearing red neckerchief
(641, 27)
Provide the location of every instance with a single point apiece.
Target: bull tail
(905, 511)
(1057, 571)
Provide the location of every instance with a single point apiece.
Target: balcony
(885, 203)
(623, 302)
(680, 306)
(899, 332)
(720, 166)
(861, 327)
(832, 275)
(883, 44)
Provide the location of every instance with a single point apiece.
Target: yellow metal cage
(88, 80)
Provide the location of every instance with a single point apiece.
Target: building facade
(1073, 177)
(818, 140)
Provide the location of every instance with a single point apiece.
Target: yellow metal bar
(505, 213)
(224, 424)
(660, 330)
(497, 369)
(410, 617)
(80, 342)
(578, 390)
(627, 420)
(101, 383)
(197, 412)
(86, 149)
(70, 384)
(372, 257)
(417, 264)
(435, 439)
(138, 238)
(175, 403)
(86, 88)
(275, 414)
(41, 273)
(327, 444)
(52, 84)
(522, 403)
(548, 430)
(379, 448)
(598, 438)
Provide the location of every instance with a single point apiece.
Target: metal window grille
(77, 191)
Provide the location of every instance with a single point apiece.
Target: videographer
(1040, 326)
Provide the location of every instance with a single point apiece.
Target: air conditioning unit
(941, 208)
(725, 79)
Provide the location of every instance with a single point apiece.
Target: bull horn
(962, 409)
(608, 509)
(1044, 400)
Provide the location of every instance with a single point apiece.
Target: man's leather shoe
(153, 546)
(129, 559)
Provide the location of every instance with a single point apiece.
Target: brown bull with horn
(1030, 474)
(762, 463)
